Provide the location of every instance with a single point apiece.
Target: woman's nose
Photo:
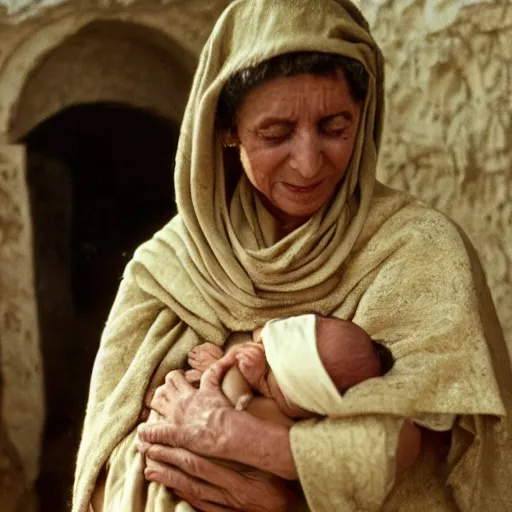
(306, 157)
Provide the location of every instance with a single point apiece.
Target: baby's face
(290, 410)
(269, 388)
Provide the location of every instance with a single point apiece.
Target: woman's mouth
(297, 189)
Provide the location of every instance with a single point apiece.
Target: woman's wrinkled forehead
(288, 67)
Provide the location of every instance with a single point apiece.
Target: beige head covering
(227, 244)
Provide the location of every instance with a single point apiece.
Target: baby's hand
(203, 356)
(252, 363)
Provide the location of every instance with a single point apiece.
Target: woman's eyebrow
(271, 121)
(268, 122)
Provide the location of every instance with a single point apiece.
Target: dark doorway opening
(101, 182)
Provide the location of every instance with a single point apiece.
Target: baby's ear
(256, 335)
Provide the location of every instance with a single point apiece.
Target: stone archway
(106, 61)
(99, 117)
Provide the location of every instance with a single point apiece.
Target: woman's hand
(196, 420)
(192, 419)
(211, 487)
(204, 422)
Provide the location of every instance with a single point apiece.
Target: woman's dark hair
(290, 64)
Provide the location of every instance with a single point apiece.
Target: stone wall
(21, 394)
(448, 134)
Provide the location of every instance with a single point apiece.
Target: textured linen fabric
(379, 257)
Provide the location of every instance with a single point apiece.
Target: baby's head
(348, 354)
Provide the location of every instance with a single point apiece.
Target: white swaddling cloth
(292, 354)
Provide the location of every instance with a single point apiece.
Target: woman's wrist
(258, 443)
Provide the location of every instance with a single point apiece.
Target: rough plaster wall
(21, 413)
(448, 136)
(448, 140)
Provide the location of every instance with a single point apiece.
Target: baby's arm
(248, 369)
(234, 385)
(253, 365)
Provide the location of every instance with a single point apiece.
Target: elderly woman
(279, 214)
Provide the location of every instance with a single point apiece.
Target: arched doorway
(100, 178)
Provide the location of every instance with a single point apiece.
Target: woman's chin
(300, 214)
(294, 212)
(300, 209)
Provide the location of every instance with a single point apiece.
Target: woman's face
(296, 136)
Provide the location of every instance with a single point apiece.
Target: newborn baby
(346, 352)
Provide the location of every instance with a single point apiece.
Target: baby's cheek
(296, 412)
(290, 410)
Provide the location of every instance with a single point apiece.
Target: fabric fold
(353, 467)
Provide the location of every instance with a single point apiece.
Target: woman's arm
(204, 422)
(258, 443)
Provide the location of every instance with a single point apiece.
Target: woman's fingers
(193, 376)
(160, 433)
(212, 487)
(193, 478)
(191, 464)
(176, 380)
(204, 505)
(212, 377)
(183, 483)
(161, 401)
(165, 396)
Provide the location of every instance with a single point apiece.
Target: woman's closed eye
(335, 126)
(275, 133)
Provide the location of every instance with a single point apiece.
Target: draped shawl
(400, 270)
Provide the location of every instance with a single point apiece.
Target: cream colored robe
(400, 270)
